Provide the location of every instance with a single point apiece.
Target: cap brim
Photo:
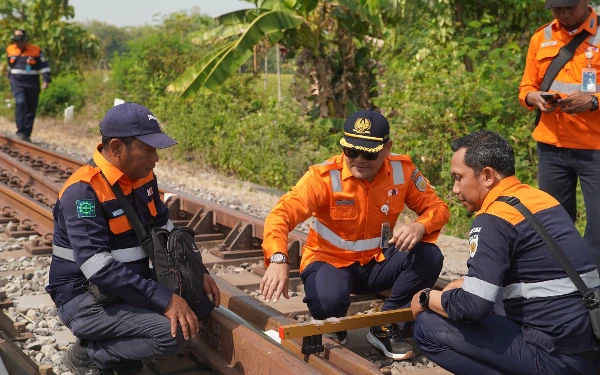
(362, 144)
(560, 3)
(158, 140)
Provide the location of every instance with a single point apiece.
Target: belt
(591, 355)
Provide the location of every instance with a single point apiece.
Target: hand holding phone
(550, 98)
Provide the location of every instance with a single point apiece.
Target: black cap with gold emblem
(366, 130)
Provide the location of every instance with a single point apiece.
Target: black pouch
(101, 296)
(593, 304)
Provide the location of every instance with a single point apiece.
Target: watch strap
(594, 103)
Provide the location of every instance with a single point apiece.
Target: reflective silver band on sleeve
(95, 264)
(549, 288)
(122, 255)
(169, 225)
(336, 181)
(63, 252)
(480, 288)
(45, 70)
(595, 39)
(337, 241)
(398, 172)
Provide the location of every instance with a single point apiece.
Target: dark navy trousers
(558, 171)
(327, 288)
(494, 346)
(26, 105)
(119, 332)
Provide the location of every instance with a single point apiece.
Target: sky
(140, 12)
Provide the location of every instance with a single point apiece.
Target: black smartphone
(550, 98)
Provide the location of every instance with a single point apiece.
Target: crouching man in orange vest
(354, 246)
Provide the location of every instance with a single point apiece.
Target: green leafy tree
(47, 22)
(330, 40)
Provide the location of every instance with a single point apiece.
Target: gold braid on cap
(350, 145)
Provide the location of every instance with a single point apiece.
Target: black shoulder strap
(552, 246)
(135, 222)
(565, 55)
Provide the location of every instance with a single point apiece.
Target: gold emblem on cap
(362, 126)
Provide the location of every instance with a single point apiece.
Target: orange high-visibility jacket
(557, 128)
(347, 211)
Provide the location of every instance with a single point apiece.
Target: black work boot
(397, 349)
(79, 363)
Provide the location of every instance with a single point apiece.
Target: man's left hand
(415, 306)
(211, 289)
(44, 85)
(406, 236)
(576, 102)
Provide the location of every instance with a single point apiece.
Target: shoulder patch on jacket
(86, 208)
(473, 240)
(419, 180)
(542, 27)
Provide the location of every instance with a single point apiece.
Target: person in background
(26, 62)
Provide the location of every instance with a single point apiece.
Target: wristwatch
(279, 258)
(594, 103)
(424, 298)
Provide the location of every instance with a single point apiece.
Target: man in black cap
(94, 244)
(568, 131)
(26, 62)
(354, 245)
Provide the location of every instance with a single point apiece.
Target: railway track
(233, 340)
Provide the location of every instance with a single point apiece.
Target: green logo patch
(86, 208)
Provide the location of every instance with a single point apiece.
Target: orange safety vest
(582, 130)
(347, 211)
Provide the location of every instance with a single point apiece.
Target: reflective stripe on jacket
(347, 211)
(582, 130)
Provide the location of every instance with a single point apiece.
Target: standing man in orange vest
(568, 133)
(354, 245)
(26, 63)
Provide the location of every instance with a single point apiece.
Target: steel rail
(28, 208)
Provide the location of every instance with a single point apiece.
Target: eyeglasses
(353, 153)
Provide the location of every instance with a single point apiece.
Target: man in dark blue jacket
(26, 62)
(545, 327)
(94, 245)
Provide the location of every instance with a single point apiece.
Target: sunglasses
(353, 153)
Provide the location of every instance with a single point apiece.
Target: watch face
(423, 297)
(277, 258)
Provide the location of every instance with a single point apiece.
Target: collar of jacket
(496, 191)
(112, 173)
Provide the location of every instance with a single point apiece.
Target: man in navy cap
(26, 62)
(95, 245)
(355, 245)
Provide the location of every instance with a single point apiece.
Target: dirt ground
(79, 139)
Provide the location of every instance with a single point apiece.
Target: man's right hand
(178, 311)
(535, 99)
(275, 281)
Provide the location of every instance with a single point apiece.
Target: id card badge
(589, 80)
(385, 235)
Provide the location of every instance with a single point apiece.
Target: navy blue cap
(561, 3)
(19, 35)
(366, 130)
(134, 120)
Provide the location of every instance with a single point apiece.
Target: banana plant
(330, 39)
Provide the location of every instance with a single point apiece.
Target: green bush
(234, 131)
(64, 91)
